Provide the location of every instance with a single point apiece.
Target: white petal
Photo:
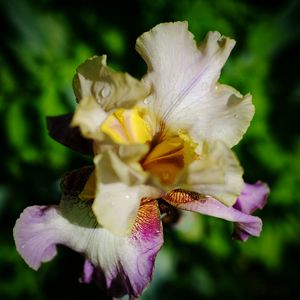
(184, 79)
(119, 190)
(116, 205)
(217, 173)
(224, 115)
(88, 117)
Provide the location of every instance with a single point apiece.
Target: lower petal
(126, 262)
(207, 205)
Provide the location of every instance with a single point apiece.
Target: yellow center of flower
(167, 156)
(126, 126)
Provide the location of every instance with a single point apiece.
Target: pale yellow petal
(218, 173)
(88, 117)
(116, 205)
(109, 88)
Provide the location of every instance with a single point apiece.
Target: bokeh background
(43, 41)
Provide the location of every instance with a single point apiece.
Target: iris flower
(158, 144)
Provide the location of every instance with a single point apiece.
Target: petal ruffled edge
(34, 240)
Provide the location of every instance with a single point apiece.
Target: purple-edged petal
(126, 262)
(34, 236)
(59, 129)
(207, 205)
(253, 196)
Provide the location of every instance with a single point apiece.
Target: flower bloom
(160, 143)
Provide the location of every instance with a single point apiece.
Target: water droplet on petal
(105, 92)
(148, 100)
(23, 247)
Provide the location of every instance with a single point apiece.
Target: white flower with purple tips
(158, 144)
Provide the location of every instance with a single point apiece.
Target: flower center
(166, 159)
(167, 156)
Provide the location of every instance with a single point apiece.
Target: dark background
(41, 44)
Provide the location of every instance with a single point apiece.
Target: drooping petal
(119, 190)
(207, 205)
(216, 173)
(60, 130)
(253, 196)
(109, 88)
(184, 77)
(126, 262)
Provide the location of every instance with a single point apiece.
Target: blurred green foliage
(41, 45)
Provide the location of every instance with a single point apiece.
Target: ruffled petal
(119, 190)
(126, 262)
(184, 80)
(253, 196)
(207, 205)
(217, 173)
(109, 88)
(60, 130)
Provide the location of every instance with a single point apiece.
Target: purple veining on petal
(88, 272)
(146, 240)
(253, 196)
(34, 239)
(59, 129)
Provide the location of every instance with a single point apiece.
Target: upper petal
(126, 262)
(184, 82)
